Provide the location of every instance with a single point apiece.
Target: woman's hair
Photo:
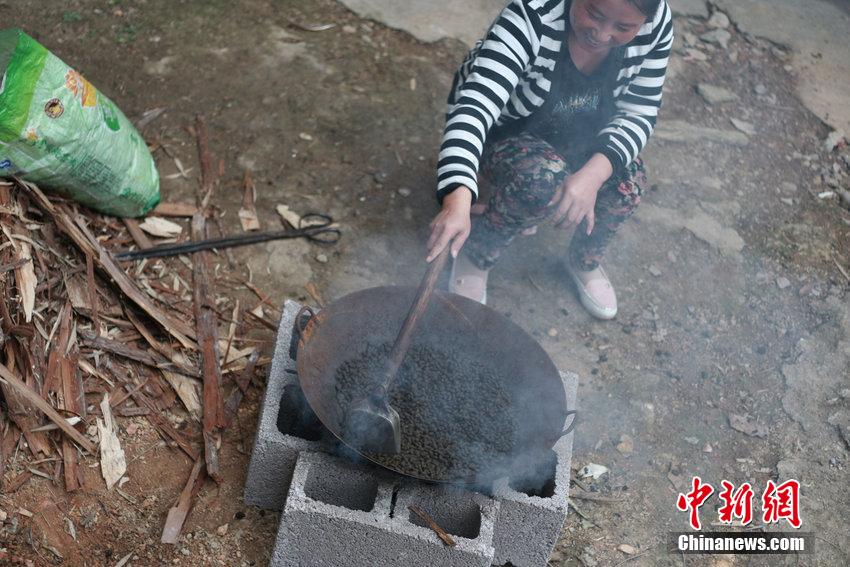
(647, 7)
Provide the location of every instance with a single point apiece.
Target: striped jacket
(508, 75)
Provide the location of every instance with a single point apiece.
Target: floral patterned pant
(523, 174)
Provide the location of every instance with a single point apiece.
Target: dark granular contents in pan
(456, 418)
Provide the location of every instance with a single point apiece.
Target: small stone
(305, 136)
(671, 257)
(834, 138)
(404, 192)
(708, 448)
(719, 37)
(3, 516)
(349, 29)
(626, 445)
(718, 20)
(695, 55)
(593, 470)
(787, 201)
(132, 429)
(779, 52)
(692, 440)
(627, 549)
(553, 332)
(743, 126)
(185, 551)
(782, 282)
(587, 559)
(690, 39)
(222, 529)
(715, 95)
(322, 259)
(747, 425)
(760, 89)
(653, 269)
(91, 430)
(807, 289)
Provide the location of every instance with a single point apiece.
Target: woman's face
(599, 25)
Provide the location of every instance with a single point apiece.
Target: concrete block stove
(338, 511)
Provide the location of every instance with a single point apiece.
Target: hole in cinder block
(342, 486)
(457, 513)
(393, 501)
(294, 417)
(296, 335)
(537, 480)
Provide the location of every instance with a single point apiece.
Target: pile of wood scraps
(86, 341)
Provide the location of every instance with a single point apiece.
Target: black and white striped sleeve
(638, 99)
(494, 72)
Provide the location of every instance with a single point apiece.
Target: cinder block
(520, 527)
(531, 518)
(287, 426)
(339, 514)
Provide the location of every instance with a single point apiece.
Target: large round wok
(373, 316)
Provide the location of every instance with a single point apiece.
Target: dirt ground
(732, 277)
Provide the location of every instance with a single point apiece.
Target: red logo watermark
(778, 502)
(782, 501)
(736, 503)
(694, 499)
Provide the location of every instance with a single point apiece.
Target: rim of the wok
(359, 304)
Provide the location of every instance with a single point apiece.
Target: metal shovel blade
(374, 426)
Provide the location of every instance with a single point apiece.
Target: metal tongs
(315, 227)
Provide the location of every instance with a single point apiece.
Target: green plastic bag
(58, 131)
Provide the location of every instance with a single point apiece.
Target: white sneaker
(468, 280)
(594, 291)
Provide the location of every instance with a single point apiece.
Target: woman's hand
(452, 224)
(576, 198)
